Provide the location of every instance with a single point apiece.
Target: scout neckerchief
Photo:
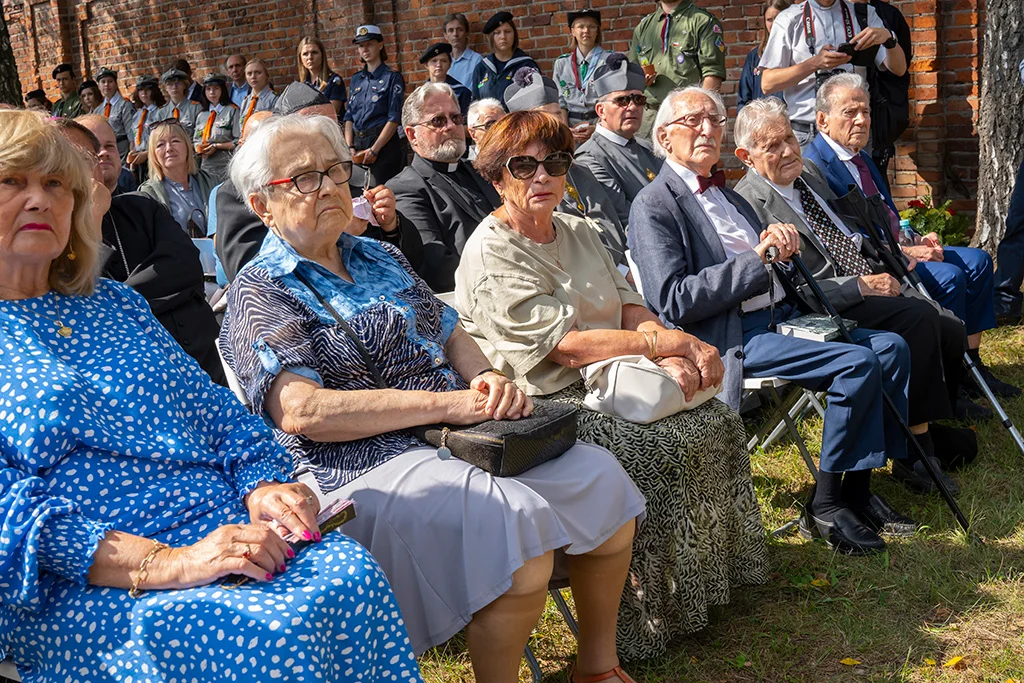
(142, 125)
(208, 128)
(252, 105)
(665, 30)
(808, 19)
(581, 74)
(106, 110)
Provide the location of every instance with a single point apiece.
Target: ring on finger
(247, 553)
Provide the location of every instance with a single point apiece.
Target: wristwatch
(891, 43)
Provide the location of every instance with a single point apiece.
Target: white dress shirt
(734, 231)
(614, 137)
(787, 46)
(845, 156)
(792, 197)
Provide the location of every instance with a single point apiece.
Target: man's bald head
(253, 123)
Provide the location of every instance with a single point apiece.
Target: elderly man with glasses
(622, 161)
(443, 196)
(703, 261)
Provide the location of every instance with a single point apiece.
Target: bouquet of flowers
(926, 217)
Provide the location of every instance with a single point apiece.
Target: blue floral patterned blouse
(275, 323)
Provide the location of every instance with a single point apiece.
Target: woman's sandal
(617, 671)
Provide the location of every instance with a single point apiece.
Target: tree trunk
(10, 86)
(1001, 119)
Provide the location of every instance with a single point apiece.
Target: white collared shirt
(845, 156)
(734, 231)
(792, 197)
(614, 137)
(787, 46)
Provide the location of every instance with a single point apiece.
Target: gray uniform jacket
(139, 139)
(187, 113)
(587, 198)
(122, 112)
(579, 102)
(623, 169)
(226, 128)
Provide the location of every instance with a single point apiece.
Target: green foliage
(927, 217)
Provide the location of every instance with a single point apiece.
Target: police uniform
(185, 112)
(119, 113)
(584, 194)
(491, 76)
(375, 99)
(264, 100)
(684, 47)
(218, 124)
(462, 93)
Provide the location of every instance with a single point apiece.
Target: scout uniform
(573, 72)
(119, 113)
(684, 47)
(68, 107)
(375, 99)
(219, 123)
(264, 100)
(184, 112)
(491, 76)
(623, 166)
(584, 195)
(462, 93)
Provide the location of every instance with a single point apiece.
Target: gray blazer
(687, 280)
(842, 291)
(623, 170)
(600, 205)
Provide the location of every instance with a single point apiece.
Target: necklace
(62, 329)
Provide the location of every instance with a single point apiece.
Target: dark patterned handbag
(503, 448)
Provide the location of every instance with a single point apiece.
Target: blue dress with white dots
(115, 427)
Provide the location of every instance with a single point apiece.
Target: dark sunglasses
(623, 101)
(524, 167)
(441, 120)
(311, 181)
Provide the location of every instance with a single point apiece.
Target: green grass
(933, 597)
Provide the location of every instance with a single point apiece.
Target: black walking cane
(772, 255)
(897, 261)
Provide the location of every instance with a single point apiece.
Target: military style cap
(584, 14)
(502, 17)
(530, 89)
(618, 73)
(173, 75)
(368, 32)
(296, 97)
(146, 81)
(215, 78)
(106, 72)
(435, 50)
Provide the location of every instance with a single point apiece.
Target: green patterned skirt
(703, 534)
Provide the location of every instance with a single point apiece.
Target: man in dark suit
(240, 232)
(702, 262)
(958, 278)
(623, 162)
(440, 192)
(854, 277)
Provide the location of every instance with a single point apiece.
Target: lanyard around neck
(808, 18)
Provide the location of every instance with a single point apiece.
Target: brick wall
(938, 155)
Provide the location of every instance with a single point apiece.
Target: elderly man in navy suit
(703, 263)
(958, 278)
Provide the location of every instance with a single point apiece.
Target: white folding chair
(9, 671)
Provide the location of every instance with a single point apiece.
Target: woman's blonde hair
(30, 142)
(325, 69)
(166, 129)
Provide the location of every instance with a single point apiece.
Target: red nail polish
(306, 535)
(291, 553)
(269, 576)
(317, 537)
(283, 567)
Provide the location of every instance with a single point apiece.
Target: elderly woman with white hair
(136, 495)
(460, 546)
(481, 116)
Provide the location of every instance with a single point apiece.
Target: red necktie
(867, 183)
(106, 110)
(717, 178)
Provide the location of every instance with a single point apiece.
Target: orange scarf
(142, 125)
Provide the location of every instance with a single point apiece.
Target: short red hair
(513, 133)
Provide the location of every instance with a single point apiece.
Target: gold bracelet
(654, 345)
(143, 573)
(650, 346)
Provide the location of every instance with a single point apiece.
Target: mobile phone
(847, 49)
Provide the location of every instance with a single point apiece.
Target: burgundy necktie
(867, 183)
(717, 178)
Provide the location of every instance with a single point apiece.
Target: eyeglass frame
(632, 100)
(539, 162)
(447, 118)
(322, 174)
(718, 121)
(486, 126)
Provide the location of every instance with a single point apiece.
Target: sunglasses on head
(639, 99)
(523, 167)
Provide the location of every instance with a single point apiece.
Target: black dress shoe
(846, 533)
(955, 447)
(915, 477)
(966, 409)
(880, 517)
(999, 387)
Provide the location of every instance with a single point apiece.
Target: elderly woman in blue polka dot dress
(124, 467)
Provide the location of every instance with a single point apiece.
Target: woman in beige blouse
(541, 295)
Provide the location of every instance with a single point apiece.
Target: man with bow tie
(703, 263)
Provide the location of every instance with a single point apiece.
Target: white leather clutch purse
(636, 389)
